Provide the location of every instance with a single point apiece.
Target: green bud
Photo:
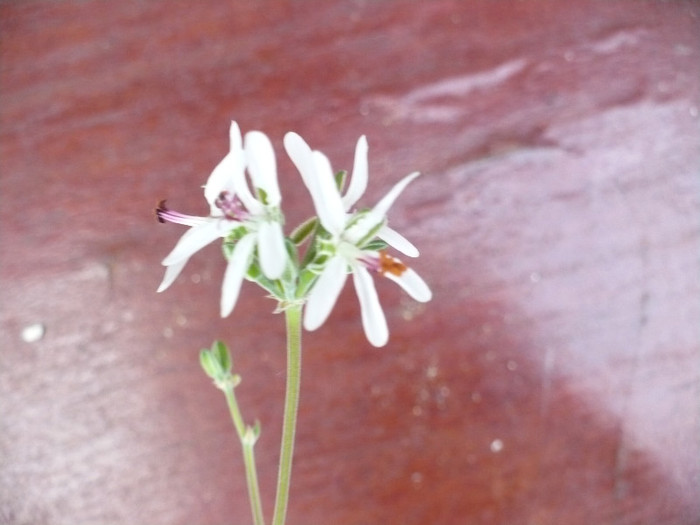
(221, 353)
(209, 364)
(248, 437)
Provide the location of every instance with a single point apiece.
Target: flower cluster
(341, 238)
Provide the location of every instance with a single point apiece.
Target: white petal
(261, 165)
(234, 135)
(193, 240)
(221, 179)
(171, 273)
(300, 153)
(235, 271)
(325, 293)
(373, 319)
(242, 190)
(412, 283)
(271, 249)
(358, 181)
(326, 197)
(397, 241)
(383, 205)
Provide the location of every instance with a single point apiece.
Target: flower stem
(248, 437)
(291, 403)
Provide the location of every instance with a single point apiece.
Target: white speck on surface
(512, 365)
(167, 332)
(476, 397)
(416, 477)
(496, 446)
(196, 278)
(33, 333)
(535, 277)
(431, 372)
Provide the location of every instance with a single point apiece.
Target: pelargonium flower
(257, 220)
(349, 243)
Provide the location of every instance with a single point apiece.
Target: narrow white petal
(242, 190)
(193, 240)
(271, 249)
(234, 135)
(171, 273)
(373, 319)
(325, 293)
(235, 271)
(383, 205)
(221, 179)
(397, 241)
(261, 164)
(300, 153)
(358, 181)
(413, 284)
(326, 197)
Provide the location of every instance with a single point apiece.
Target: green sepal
(222, 354)
(304, 230)
(209, 363)
(340, 179)
(367, 239)
(251, 434)
(293, 258)
(232, 238)
(307, 278)
(262, 195)
(375, 245)
(216, 361)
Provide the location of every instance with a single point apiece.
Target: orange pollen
(387, 264)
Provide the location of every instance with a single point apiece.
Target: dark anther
(160, 210)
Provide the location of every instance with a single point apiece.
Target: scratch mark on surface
(546, 387)
(443, 101)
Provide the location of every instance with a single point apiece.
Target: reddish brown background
(557, 219)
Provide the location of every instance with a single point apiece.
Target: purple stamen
(384, 264)
(231, 206)
(370, 262)
(163, 214)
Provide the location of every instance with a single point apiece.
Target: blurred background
(553, 380)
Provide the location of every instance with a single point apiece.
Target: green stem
(291, 403)
(248, 438)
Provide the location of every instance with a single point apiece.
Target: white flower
(350, 236)
(233, 206)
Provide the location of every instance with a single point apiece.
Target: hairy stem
(291, 404)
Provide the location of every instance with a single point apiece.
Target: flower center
(384, 264)
(388, 264)
(231, 206)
